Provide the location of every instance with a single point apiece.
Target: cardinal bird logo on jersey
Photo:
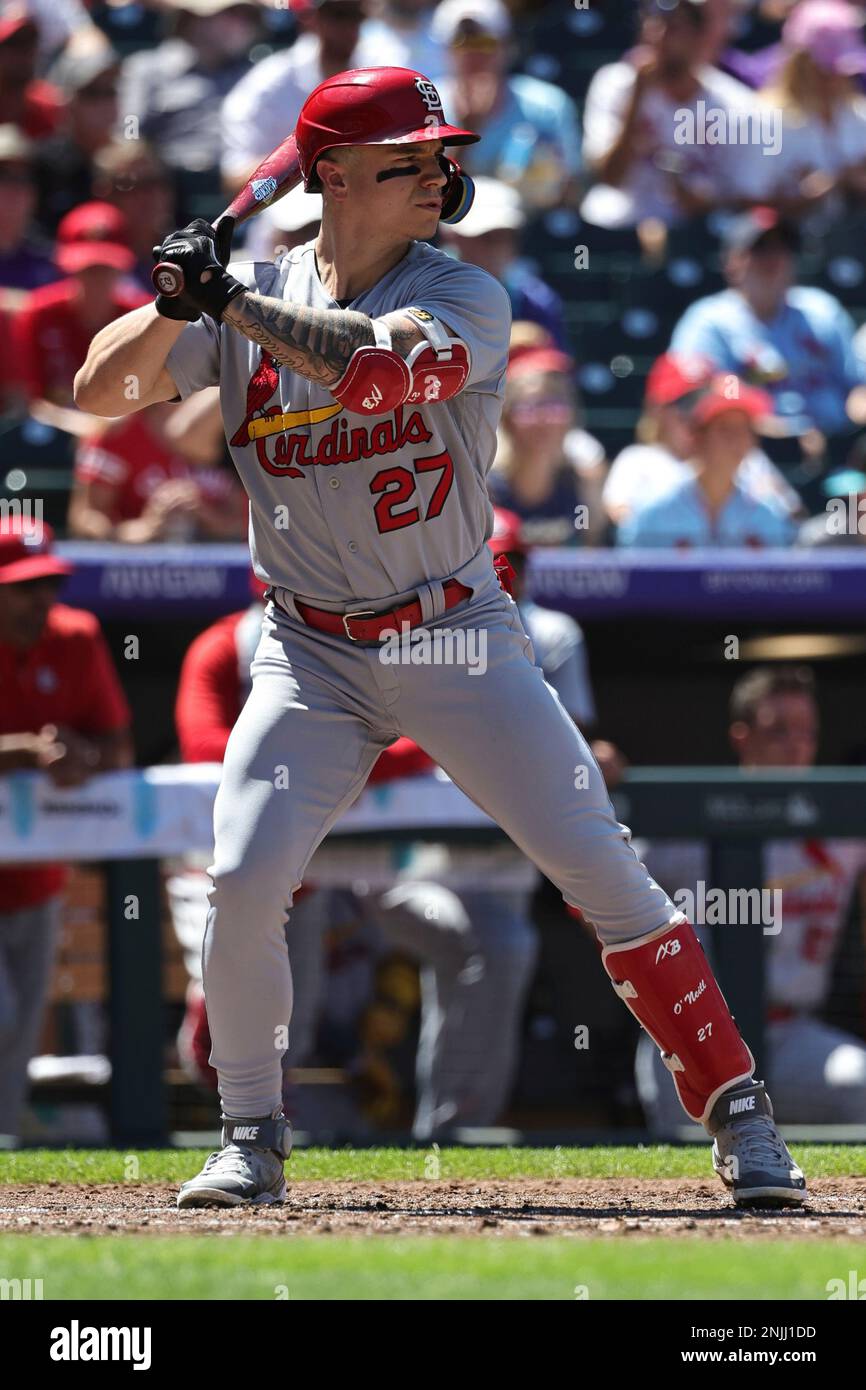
(262, 385)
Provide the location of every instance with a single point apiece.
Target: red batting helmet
(371, 106)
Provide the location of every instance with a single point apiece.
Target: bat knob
(167, 279)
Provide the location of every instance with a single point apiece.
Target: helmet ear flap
(458, 193)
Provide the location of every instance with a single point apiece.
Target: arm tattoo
(315, 343)
(405, 335)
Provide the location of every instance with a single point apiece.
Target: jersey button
(353, 546)
(333, 482)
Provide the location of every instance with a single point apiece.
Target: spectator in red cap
(56, 325)
(645, 470)
(62, 711)
(716, 506)
(547, 469)
(25, 100)
(158, 475)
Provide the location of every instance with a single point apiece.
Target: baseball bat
(278, 173)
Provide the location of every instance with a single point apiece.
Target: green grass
(282, 1265)
(421, 1267)
(392, 1165)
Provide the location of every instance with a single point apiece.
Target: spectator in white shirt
(643, 133)
(264, 106)
(822, 159)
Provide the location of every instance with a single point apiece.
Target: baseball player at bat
(362, 381)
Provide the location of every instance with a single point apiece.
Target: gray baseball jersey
(375, 505)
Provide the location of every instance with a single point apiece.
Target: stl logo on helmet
(428, 94)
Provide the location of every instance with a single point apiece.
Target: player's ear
(331, 177)
(333, 169)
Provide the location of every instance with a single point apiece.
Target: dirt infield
(628, 1208)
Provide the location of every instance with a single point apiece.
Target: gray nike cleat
(749, 1154)
(247, 1170)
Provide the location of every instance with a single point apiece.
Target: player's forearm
(315, 343)
(126, 362)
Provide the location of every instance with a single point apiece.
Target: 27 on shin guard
(666, 981)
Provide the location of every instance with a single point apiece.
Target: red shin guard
(666, 981)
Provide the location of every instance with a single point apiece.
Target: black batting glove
(176, 306)
(179, 306)
(193, 249)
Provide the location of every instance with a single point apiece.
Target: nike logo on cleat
(744, 1103)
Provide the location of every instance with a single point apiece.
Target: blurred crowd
(734, 129)
(673, 193)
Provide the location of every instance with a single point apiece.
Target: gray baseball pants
(320, 712)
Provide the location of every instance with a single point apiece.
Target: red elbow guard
(377, 379)
(437, 374)
(374, 383)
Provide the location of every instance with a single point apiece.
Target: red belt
(367, 626)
